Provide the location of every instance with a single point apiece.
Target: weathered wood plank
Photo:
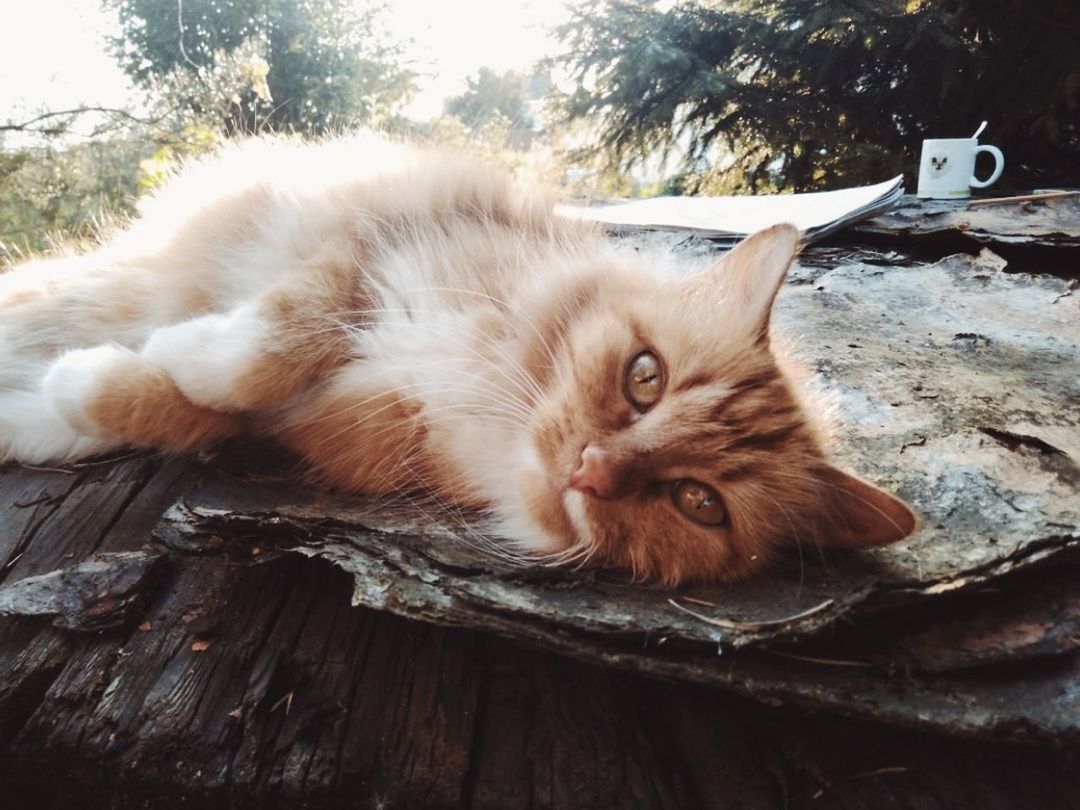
(1045, 224)
(410, 715)
(87, 596)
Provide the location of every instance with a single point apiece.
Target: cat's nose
(596, 475)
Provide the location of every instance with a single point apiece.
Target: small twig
(287, 699)
(694, 601)
(1049, 195)
(28, 125)
(919, 442)
(180, 25)
(866, 775)
(47, 469)
(733, 624)
(879, 772)
(108, 460)
(35, 502)
(832, 662)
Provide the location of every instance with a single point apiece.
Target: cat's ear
(860, 515)
(751, 274)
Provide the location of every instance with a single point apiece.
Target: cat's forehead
(732, 398)
(704, 339)
(747, 407)
(707, 320)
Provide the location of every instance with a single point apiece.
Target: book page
(743, 214)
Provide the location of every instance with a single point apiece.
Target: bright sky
(53, 56)
(53, 53)
(454, 38)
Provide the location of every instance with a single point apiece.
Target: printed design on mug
(939, 164)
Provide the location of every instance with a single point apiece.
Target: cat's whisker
(472, 539)
(577, 556)
(795, 537)
(523, 381)
(447, 414)
(391, 370)
(486, 545)
(505, 410)
(524, 385)
(499, 303)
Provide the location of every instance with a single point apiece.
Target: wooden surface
(165, 644)
(247, 678)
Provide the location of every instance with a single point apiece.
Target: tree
(298, 65)
(489, 95)
(51, 196)
(798, 94)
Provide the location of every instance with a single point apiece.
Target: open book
(817, 214)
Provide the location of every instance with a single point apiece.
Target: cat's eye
(644, 381)
(699, 502)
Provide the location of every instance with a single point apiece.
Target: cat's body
(407, 320)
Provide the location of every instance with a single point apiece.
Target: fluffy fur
(408, 321)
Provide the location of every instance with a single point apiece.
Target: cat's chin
(532, 538)
(573, 502)
(545, 519)
(557, 523)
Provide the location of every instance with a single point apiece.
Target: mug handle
(999, 164)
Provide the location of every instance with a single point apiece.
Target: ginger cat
(407, 320)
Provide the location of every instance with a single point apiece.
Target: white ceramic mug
(947, 167)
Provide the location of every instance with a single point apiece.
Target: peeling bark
(1046, 224)
(95, 595)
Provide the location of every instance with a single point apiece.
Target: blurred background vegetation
(752, 95)
(733, 96)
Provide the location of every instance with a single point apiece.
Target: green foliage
(211, 69)
(490, 95)
(296, 65)
(194, 139)
(50, 196)
(758, 94)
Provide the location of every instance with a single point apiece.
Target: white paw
(74, 379)
(205, 356)
(33, 432)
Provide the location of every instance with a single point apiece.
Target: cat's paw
(75, 380)
(207, 355)
(34, 433)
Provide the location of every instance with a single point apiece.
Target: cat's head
(670, 441)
